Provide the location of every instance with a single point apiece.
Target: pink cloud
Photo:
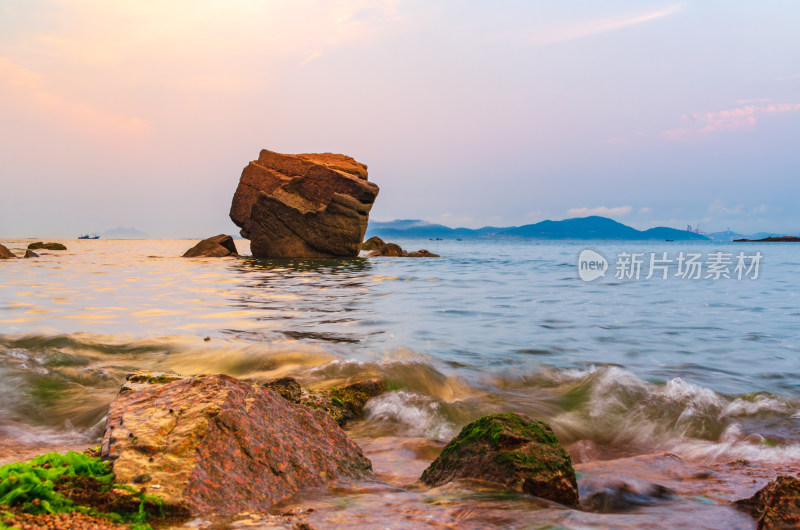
(743, 117)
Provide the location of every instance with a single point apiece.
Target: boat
(87, 236)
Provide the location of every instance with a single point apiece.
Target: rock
(5, 253)
(373, 243)
(424, 253)
(342, 403)
(31, 254)
(287, 387)
(212, 443)
(213, 247)
(303, 206)
(389, 250)
(46, 246)
(776, 505)
(511, 450)
(394, 250)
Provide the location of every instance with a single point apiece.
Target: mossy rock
(373, 243)
(342, 403)
(46, 246)
(512, 450)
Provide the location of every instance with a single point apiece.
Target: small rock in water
(214, 247)
(5, 253)
(511, 450)
(31, 254)
(47, 246)
(424, 253)
(373, 243)
(390, 250)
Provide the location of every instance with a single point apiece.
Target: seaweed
(56, 483)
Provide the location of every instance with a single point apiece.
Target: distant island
(778, 239)
(122, 232)
(593, 227)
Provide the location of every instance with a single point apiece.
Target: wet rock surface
(511, 450)
(214, 247)
(212, 443)
(313, 205)
(31, 254)
(776, 505)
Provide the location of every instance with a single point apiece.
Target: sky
(655, 113)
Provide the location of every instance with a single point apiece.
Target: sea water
(706, 368)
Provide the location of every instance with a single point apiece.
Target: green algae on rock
(776, 505)
(70, 483)
(512, 450)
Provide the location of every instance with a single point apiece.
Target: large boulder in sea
(5, 253)
(511, 450)
(212, 443)
(776, 505)
(213, 247)
(303, 206)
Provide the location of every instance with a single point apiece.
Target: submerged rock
(31, 254)
(213, 247)
(212, 443)
(5, 253)
(776, 505)
(46, 246)
(342, 403)
(303, 206)
(511, 450)
(372, 243)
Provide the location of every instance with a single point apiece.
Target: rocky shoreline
(213, 447)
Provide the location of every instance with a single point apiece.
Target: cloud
(743, 117)
(604, 211)
(719, 208)
(32, 90)
(645, 209)
(788, 77)
(602, 25)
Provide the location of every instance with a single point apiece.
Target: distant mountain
(593, 227)
(729, 235)
(123, 233)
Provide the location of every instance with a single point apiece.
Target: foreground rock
(47, 246)
(373, 243)
(394, 250)
(342, 403)
(5, 253)
(31, 254)
(213, 247)
(511, 450)
(303, 206)
(776, 505)
(212, 443)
